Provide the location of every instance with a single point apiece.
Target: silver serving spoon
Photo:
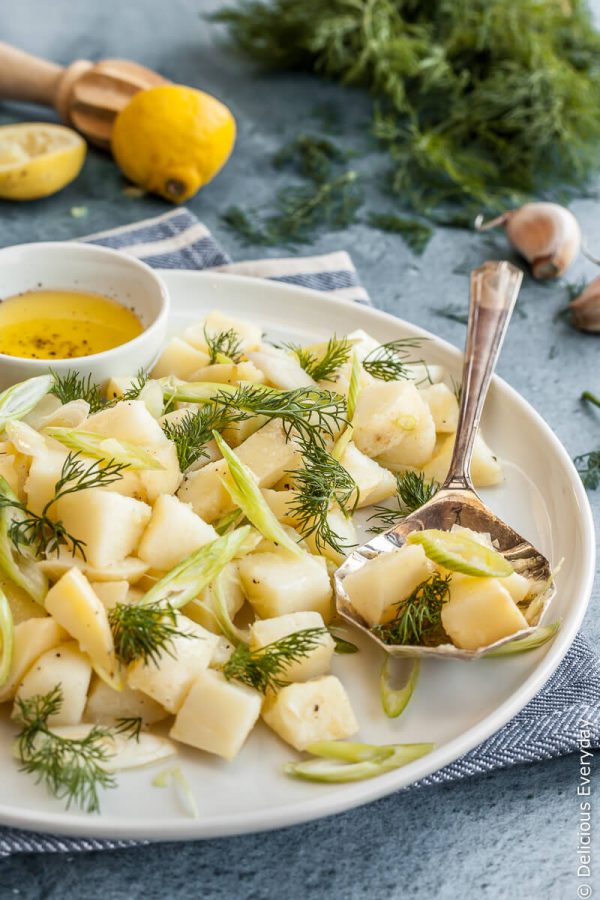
(494, 290)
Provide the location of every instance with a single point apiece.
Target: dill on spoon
(413, 491)
(419, 616)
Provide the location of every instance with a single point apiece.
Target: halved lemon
(459, 553)
(38, 159)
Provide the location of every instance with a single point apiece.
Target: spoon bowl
(494, 290)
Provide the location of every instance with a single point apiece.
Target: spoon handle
(494, 290)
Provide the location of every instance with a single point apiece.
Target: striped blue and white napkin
(550, 725)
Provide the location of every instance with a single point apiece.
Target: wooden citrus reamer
(88, 96)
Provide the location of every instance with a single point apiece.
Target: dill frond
(419, 615)
(144, 632)
(262, 669)
(72, 386)
(416, 234)
(413, 491)
(588, 466)
(194, 431)
(223, 346)
(390, 362)
(323, 366)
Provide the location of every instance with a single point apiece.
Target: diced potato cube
(281, 369)
(216, 323)
(155, 482)
(130, 569)
(479, 612)
(229, 373)
(9, 472)
(389, 414)
(237, 433)
(73, 603)
(221, 653)
(485, 467)
(32, 638)
(217, 715)
(105, 705)
(317, 662)
(310, 711)
(340, 382)
(129, 421)
(111, 593)
(174, 531)
(203, 490)
(279, 503)
(277, 584)
(168, 680)
(373, 481)
(443, 406)
(179, 359)
(68, 667)
(110, 525)
(44, 471)
(517, 586)
(376, 588)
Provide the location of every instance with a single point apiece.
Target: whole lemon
(171, 140)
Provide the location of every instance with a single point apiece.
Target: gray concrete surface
(509, 835)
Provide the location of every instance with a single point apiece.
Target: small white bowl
(85, 267)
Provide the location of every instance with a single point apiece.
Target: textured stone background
(510, 834)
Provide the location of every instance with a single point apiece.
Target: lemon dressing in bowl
(63, 324)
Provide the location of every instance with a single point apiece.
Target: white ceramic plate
(456, 705)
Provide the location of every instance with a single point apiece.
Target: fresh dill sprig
(389, 362)
(413, 491)
(416, 234)
(193, 431)
(261, 669)
(323, 366)
(321, 482)
(144, 632)
(588, 466)
(419, 615)
(72, 386)
(312, 156)
(130, 726)
(39, 532)
(134, 390)
(223, 346)
(312, 413)
(590, 398)
(71, 769)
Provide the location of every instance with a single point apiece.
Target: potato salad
(167, 544)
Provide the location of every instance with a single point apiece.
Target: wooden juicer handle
(86, 95)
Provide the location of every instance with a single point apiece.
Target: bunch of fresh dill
(476, 100)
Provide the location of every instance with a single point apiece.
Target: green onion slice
(397, 683)
(458, 553)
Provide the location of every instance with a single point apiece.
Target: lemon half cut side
(38, 159)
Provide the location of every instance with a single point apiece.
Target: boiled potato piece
(44, 471)
(486, 469)
(281, 369)
(111, 525)
(517, 586)
(68, 667)
(155, 482)
(174, 531)
(73, 603)
(317, 662)
(130, 569)
(10, 472)
(229, 373)
(179, 359)
(277, 584)
(217, 715)
(309, 711)
(249, 336)
(340, 382)
(31, 639)
(105, 705)
(389, 413)
(129, 421)
(267, 453)
(341, 526)
(374, 483)
(376, 588)
(111, 593)
(168, 680)
(479, 612)
(121, 751)
(443, 407)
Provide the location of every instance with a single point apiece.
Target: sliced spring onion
(397, 683)
(536, 639)
(185, 581)
(175, 776)
(20, 399)
(459, 553)
(228, 521)
(241, 486)
(99, 446)
(230, 630)
(193, 391)
(25, 573)
(353, 762)
(341, 644)
(6, 638)
(353, 391)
